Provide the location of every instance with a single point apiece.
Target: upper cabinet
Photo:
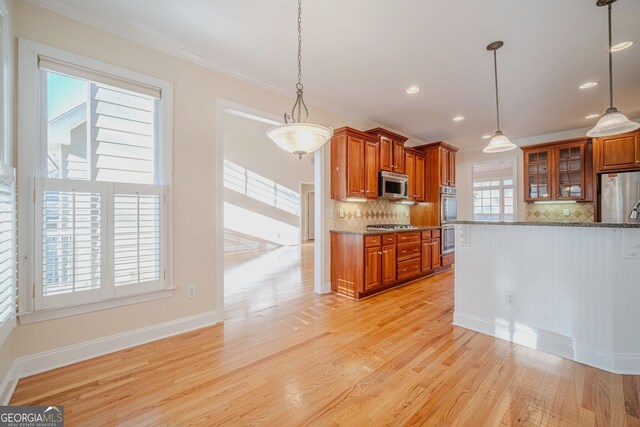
(391, 146)
(415, 164)
(354, 164)
(617, 152)
(447, 167)
(559, 171)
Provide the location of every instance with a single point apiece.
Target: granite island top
(365, 232)
(555, 224)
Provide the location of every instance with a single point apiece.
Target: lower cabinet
(387, 260)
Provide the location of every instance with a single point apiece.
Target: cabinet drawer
(426, 234)
(435, 233)
(448, 259)
(388, 239)
(408, 269)
(370, 241)
(414, 236)
(408, 250)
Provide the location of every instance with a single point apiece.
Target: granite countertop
(555, 224)
(365, 232)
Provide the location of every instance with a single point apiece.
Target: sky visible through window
(64, 94)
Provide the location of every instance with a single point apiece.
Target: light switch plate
(341, 213)
(358, 213)
(566, 212)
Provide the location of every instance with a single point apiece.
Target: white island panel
(577, 289)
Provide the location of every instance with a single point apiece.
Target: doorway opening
(268, 210)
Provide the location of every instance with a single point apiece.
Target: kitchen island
(565, 288)
(365, 262)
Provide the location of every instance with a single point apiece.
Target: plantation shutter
(137, 238)
(7, 251)
(72, 218)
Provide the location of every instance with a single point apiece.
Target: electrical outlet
(341, 213)
(510, 298)
(566, 212)
(358, 213)
(191, 291)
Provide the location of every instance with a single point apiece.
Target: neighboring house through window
(100, 174)
(493, 191)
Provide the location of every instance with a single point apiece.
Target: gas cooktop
(390, 227)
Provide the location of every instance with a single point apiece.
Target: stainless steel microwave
(393, 185)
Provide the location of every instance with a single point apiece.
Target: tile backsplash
(371, 212)
(554, 212)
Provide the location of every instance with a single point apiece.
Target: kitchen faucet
(635, 211)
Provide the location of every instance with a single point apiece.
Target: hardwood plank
(286, 356)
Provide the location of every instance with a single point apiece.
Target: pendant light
(296, 135)
(613, 122)
(499, 142)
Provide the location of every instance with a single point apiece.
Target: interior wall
(196, 89)
(246, 145)
(305, 189)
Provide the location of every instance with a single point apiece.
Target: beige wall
(196, 89)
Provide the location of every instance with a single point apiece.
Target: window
(100, 178)
(493, 192)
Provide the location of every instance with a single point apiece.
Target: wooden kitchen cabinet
(618, 152)
(391, 153)
(363, 264)
(415, 169)
(372, 268)
(559, 171)
(354, 164)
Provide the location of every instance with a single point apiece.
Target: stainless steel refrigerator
(620, 197)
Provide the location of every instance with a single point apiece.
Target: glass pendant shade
(613, 123)
(498, 144)
(299, 138)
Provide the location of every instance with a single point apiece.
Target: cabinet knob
(379, 253)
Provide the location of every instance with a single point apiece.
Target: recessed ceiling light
(592, 116)
(413, 90)
(458, 118)
(486, 136)
(588, 85)
(621, 46)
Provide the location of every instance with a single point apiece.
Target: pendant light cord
(495, 72)
(610, 62)
(299, 85)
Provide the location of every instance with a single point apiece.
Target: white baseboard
(549, 342)
(8, 385)
(52, 359)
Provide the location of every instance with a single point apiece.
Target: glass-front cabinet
(570, 172)
(537, 175)
(558, 171)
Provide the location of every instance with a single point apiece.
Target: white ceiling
(361, 55)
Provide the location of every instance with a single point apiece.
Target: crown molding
(137, 37)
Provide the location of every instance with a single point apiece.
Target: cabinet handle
(379, 253)
(404, 269)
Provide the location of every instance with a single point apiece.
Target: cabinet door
(355, 167)
(619, 152)
(435, 253)
(420, 184)
(398, 157)
(570, 172)
(372, 267)
(388, 264)
(371, 167)
(386, 154)
(410, 171)
(537, 176)
(426, 255)
(444, 167)
(452, 169)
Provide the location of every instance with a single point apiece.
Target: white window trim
(30, 132)
(516, 183)
(7, 174)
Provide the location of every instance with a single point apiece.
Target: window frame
(513, 161)
(32, 131)
(501, 187)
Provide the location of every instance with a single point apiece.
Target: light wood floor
(286, 356)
